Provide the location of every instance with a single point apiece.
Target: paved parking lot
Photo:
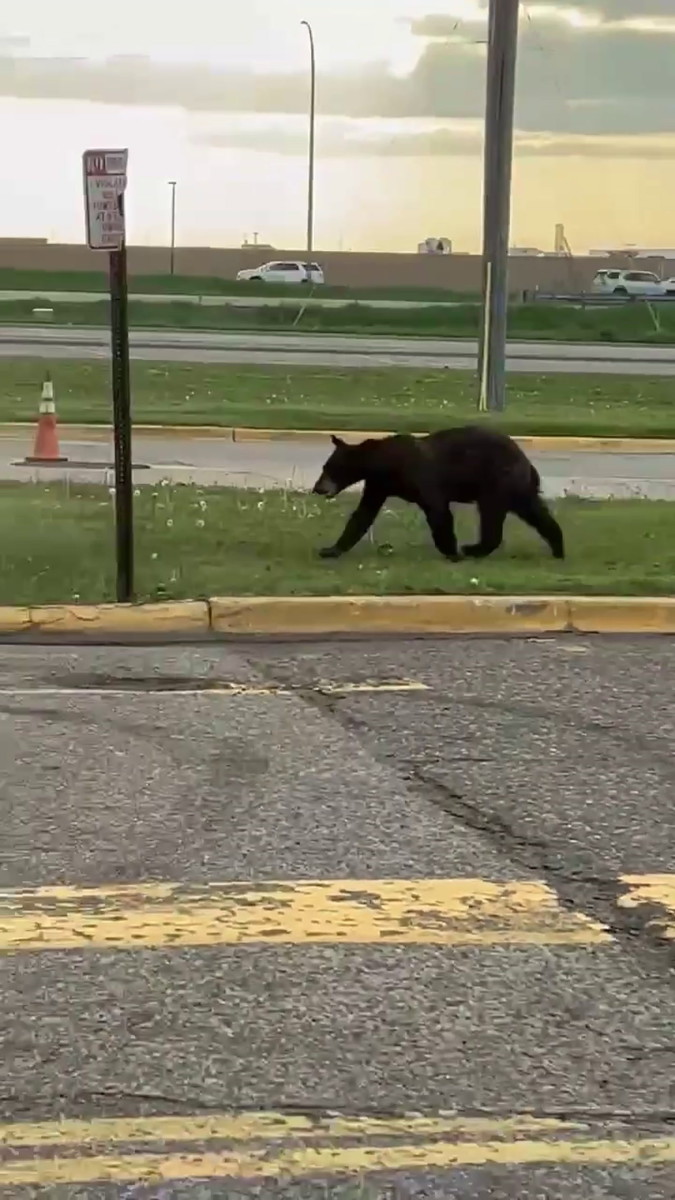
(351, 919)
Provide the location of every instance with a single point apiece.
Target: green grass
(314, 398)
(56, 544)
(630, 324)
(200, 285)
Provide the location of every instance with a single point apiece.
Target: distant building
(432, 245)
(630, 252)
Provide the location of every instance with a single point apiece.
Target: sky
(214, 94)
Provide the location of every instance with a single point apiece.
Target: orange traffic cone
(46, 446)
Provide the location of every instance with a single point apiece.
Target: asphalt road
(257, 1040)
(283, 464)
(334, 350)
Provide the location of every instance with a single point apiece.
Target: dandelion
(199, 524)
(169, 523)
(154, 555)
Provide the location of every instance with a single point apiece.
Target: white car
(283, 272)
(630, 283)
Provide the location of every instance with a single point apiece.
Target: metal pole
(501, 86)
(124, 519)
(172, 261)
(312, 123)
(488, 211)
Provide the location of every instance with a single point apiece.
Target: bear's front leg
(358, 524)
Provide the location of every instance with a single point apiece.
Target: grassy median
(539, 322)
(204, 285)
(324, 399)
(56, 544)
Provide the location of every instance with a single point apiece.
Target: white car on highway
(283, 272)
(631, 283)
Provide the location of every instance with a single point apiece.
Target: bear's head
(344, 468)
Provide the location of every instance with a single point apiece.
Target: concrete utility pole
(499, 109)
(312, 125)
(172, 260)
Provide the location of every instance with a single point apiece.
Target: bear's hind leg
(492, 514)
(534, 511)
(442, 528)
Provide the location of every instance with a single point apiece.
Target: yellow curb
(74, 432)
(597, 445)
(622, 614)
(306, 435)
(388, 614)
(559, 445)
(369, 615)
(542, 445)
(191, 616)
(418, 615)
(193, 432)
(14, 620)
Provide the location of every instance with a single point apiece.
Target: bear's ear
(337, 441)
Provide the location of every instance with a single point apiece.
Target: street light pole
(172, 260)
(312, 122)
(499, 110)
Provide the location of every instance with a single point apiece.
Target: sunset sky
(214, 94)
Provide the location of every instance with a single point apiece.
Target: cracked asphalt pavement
(511, 761)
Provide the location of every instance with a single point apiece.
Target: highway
(288, 464)
(337, 350)
(358, 920)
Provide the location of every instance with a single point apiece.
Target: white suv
(630, 283)
(283, 272)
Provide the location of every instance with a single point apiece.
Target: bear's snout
(325, 486)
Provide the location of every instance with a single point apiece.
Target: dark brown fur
(466, 465)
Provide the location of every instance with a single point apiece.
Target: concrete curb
(188, 617)
(551, 445)
(245, 616)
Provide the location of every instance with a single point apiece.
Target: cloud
(603, 13)
(356, 142)
(612, 10)
(606, 80)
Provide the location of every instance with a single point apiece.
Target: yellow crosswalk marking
(270, 1127)
(657, 891)
(450, 912)
(298, 1161)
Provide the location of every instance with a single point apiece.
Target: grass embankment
(322, 399)
(202, 285)
(538, 322)
(56, 545)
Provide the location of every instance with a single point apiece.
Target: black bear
(466, 465)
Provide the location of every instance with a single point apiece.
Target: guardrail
(594, 299)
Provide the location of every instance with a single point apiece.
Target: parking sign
(105, 180)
